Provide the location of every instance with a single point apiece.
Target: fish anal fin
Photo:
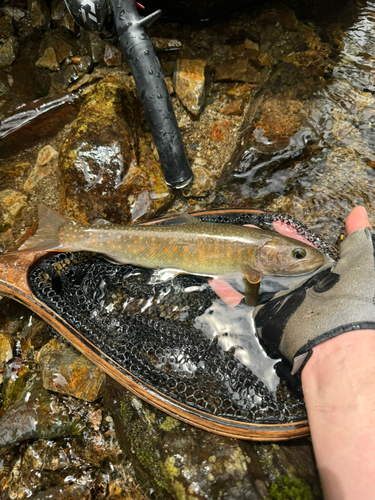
(252, 275)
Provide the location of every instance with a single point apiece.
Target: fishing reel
(120, 20)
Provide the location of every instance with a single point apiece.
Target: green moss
(170, 468)
(142, 442)
(169, 424)
(286, 488)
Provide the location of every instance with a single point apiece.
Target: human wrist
(334, 357)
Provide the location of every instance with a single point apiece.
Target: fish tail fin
(47, 235)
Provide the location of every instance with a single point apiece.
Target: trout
(186, 246)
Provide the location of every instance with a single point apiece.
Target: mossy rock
(286, 488)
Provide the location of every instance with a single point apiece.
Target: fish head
(283, 256)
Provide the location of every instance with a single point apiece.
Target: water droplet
(150, 72)
(157, 74)
(137, 58)
(146, 52)
(159, 96)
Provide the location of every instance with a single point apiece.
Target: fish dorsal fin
(252, 275)
(183, 219)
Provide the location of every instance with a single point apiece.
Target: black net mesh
(150, 330)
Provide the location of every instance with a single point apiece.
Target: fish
(187, 246)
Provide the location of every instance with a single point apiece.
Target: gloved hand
(336, 300)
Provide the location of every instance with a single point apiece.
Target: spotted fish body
(192, 247)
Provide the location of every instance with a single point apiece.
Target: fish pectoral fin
(251, 293)
(252, 275)
(252, 283)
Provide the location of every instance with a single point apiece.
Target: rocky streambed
(276, 109)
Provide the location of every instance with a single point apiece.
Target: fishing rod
(121, 20)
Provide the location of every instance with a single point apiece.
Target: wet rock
(41, 118)
(252, 47)
(8, 51)
(6, 240)
(112, 55)
(6, 349)
(83, 64)
(65, 492)
(61, 47)
(63, 79)
(16, 375)
(108, 169)
(202, 182)
(264, 59)
(13, 12)
(39, 14)
(235, 108)
(6, 27)
(175, 459)
(169, 84)
(11, 205)
(68, 372)
(35, 413)
(61, 16)
(166, 44)
(48, 60)
(238, 69)
(292, 465)
(189, 84)
(45, 164)
(94, 45)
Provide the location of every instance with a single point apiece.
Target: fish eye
(299, 253)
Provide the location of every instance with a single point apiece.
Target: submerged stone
(36, 413)
(108, 168)
(177, 460)
(11, 205)
(66, 371)
(39, 14)
(8, 51)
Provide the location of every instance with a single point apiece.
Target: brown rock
(48, 60)
(108, 168)
(11, 205)
(238, 70)
(235, 108)
(8, 51)
(166, 44)
(46, 162)
(189, 84)
(201, 184)
(112, 55)
(69, 372)
(220, 130)
(6, 349)
(6, 27)
(39, 14)
(265, 60)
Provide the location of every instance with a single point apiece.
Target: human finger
(357, 219)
